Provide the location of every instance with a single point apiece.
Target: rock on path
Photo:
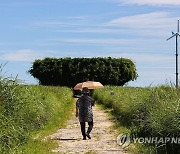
(103, 137)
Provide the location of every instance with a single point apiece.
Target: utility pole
(177, 60)
(177, 35)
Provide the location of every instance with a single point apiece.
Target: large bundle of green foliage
(69, 71)
(147, 112)
(24, 110)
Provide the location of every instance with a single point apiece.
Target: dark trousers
(83, 126)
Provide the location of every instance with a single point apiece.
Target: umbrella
(89, 85)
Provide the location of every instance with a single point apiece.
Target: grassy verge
(29, 113)
(145, 112)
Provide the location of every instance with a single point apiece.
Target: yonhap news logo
(125, 140)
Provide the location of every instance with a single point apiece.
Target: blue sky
(135, 29)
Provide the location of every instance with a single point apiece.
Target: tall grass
(24, 110)
(147, 112)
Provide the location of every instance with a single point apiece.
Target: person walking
(84, 112)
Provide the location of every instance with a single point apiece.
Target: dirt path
(103, 137)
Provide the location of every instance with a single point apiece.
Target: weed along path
(103, 137)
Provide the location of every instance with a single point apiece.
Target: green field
(29, 113)
(145, 112)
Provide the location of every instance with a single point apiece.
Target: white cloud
(150, 2)
(19, 4)
(149, 24)
(77, 17)
(153, 20)
(93, 30)
(27, 55)
(57, 23)
(150, 57)
(65, 21)
(97, 41)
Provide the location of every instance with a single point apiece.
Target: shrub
(70, 71)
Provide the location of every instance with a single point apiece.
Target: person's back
(85, 104)
(84, 110)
